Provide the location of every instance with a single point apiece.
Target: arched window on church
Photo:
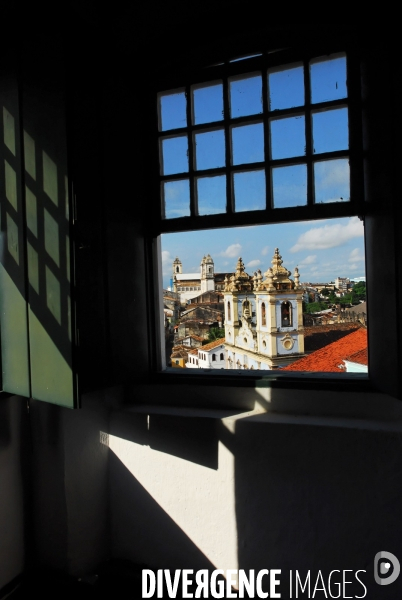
(286, 314)
(214, 357)
(221, 356)
(263, 315)
(229, 315)
(177, 269)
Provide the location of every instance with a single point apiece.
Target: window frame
(361, 102)
(356, 206)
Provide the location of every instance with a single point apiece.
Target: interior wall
(70, 502)
(255, 495)
(14, 443)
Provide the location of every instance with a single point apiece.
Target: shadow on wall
(276, 496)
(5, 434)
(14, 478)
(318, 498)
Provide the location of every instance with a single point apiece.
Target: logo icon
(386, 568)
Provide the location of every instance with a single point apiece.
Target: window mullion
(190, 138)
(267, 141)
(228, 146)
(355, 132)
(309, 140)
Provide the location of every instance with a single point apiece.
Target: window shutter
(37, 312)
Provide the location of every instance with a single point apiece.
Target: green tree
(215, 333)
(359, 289)
(314, 307)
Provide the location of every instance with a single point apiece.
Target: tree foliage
(359, 290)
(215, 333)
(314, 307)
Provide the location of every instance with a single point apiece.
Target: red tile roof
(319, 336)
(212, 344)
(361, 357)
(330, 357)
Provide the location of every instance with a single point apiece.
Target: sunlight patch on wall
(199, 500)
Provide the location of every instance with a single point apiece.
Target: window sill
(368, 411)
(351, 403)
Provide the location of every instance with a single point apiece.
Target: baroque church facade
(263, 317)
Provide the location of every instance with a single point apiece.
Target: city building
(190, 285)
(210, 356)
(342, 283)
(263, 317)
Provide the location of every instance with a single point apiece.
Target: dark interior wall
(14, 480)
(318, 498)
(70, 502)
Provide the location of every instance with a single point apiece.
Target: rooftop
(360, 357)
(187, 276)
(212, 345)
(358, 308)
(329, 358)
(321, 335)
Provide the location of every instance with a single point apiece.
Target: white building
(263, 318)
(210, 356)
(342, 283)
(190, 285)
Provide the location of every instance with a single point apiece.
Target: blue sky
(322, 250)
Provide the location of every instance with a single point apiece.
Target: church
(190, 285)
(263, 317)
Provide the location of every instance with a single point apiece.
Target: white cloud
(332, 172)
(309, 260)
(356, 256)
(253, 263)
(265, 250)
(329, 236)
(232, 251)
(166, 257)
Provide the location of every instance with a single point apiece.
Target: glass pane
(330, 130)
(172, 111)
(247, 144)
(246, 96)
(211, 195)
(249, 190)
(288, 137)
(332, 181)
(208, 104)
(174, 157)
(286, 88)
(328, 79)
(210, 149)
(176, 196)
(289, 186)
